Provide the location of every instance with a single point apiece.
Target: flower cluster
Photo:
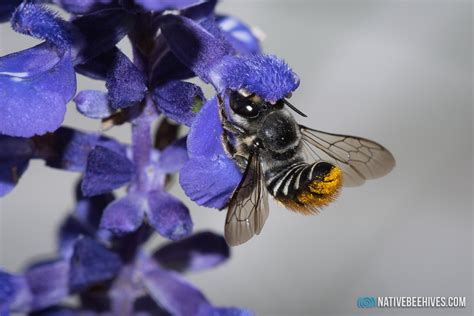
(101, 258)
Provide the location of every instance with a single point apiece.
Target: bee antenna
(291, 106)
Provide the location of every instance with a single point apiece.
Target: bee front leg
(241, 161)
(231, 152)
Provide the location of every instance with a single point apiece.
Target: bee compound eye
(243, 106)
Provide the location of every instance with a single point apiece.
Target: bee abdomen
(305, 188)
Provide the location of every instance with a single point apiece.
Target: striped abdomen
(304, 187)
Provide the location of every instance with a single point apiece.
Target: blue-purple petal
(239, 35)
(106, 170)
(265, 75)
(162, 5)
(193, 45)
(35, 86)
(168, 215)
(93, 104)
(174, 293)
(124, 215)
(37, 83)
(209, 183)
(38, 21)
(198, 252)
(174, 156)
(209, 177)
(92, 263)
(83, 6)
(48, 283)
(125, 83)
(179, 100)
(7, 289)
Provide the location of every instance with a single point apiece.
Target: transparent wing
(359, 158)
(248, 207)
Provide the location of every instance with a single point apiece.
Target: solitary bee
(302, 168)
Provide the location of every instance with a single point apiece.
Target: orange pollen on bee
(318, 193)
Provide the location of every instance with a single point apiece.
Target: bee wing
(248, 207)
(359, 158)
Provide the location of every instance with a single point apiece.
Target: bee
(302, 168)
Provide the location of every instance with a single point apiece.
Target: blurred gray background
(398, 72)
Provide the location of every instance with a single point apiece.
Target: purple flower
(40, 80)
(125, 83)
(106, 170)
(265, 75)
(101, 257)
(121, 275)
(210, 176)
(179, 100)
(66, 149)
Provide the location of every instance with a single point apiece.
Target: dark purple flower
(15, 155)
(47, 283)
(264, 75)
(91, 41)
(166, 214)
(106, 170)
(199, 252)
(193, 45)
(91, 263)
(6, 9)
(179, 100)
(69, 149)
(125, 83)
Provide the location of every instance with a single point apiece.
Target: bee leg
(240, 161)
(231, 151)
(233, 128)
(228, 146)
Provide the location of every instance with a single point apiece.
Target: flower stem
(142, 143)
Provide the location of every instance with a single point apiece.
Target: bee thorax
(279, 132)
